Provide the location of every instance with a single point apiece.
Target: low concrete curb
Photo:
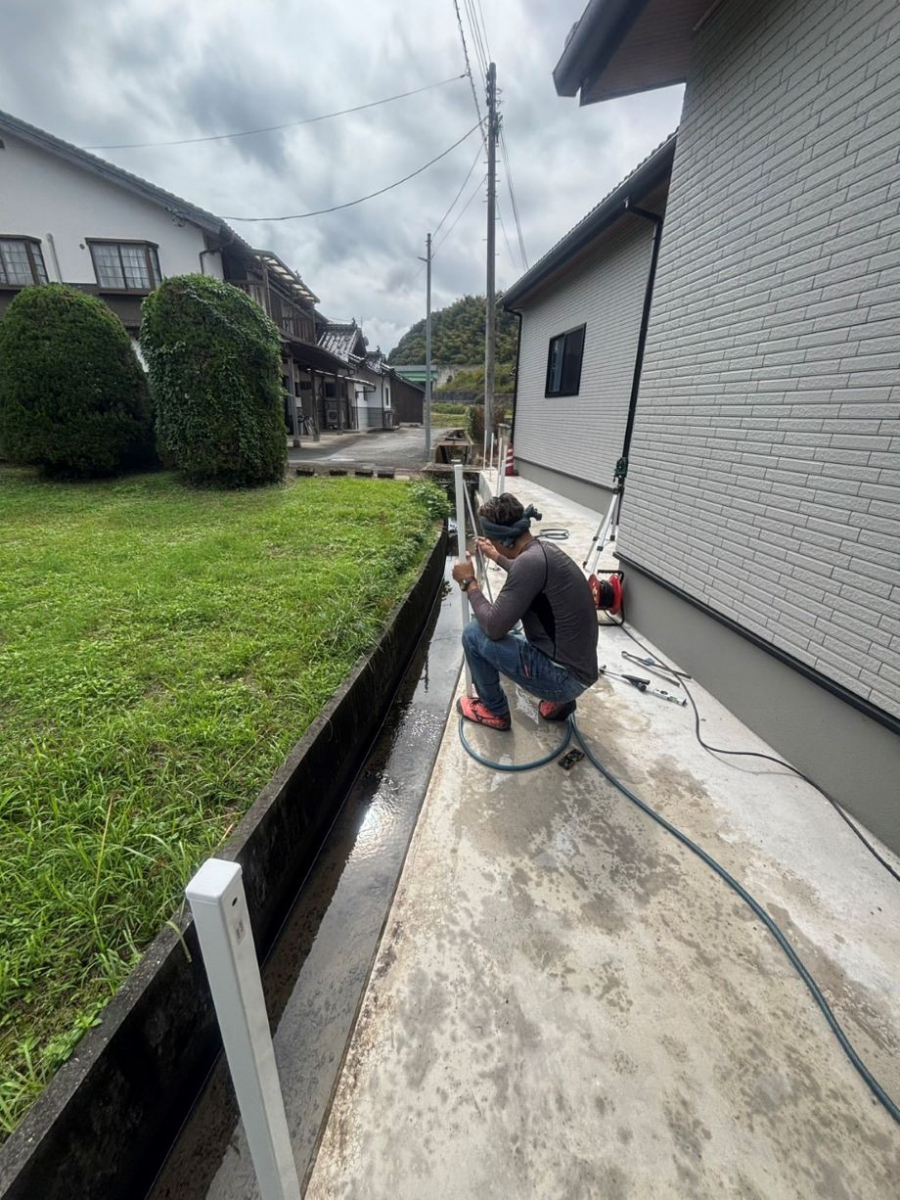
(108, 1117)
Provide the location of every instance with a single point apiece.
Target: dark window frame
(154, 271)
(564, 336)
(30, 243)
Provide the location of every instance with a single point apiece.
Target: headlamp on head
(507, 533)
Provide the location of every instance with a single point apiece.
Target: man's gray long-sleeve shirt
(547, 592)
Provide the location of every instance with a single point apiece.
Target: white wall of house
(582, 435)
(41, 193)
(369, 403)
(766, 449)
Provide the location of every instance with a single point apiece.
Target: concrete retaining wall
(108, 1117)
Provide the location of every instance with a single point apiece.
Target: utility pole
(490, 313)
(428, 347)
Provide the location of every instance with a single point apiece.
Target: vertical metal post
(314, 401)
(491, 459)
(490, 308)
(459, 486)
(219, 906)
(292, 402)
(480, 560)
(428, 348)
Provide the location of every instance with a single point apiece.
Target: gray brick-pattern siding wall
(766, 452)
(582, 435)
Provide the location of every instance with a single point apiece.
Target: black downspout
(622, 465)
(512, 430)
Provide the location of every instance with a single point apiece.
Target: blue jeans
(519, 661)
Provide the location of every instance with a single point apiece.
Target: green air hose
(792, 955)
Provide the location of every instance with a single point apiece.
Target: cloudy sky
(110, 71)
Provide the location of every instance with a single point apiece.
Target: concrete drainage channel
(343, 803)
(315, 976)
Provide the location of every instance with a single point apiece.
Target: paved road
(403, 449)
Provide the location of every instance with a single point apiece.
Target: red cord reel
(607, 593)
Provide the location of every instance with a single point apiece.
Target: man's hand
(463, 570)
(488, 549)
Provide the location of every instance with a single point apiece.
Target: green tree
(73, 397)
(215, 376)
(457, 336)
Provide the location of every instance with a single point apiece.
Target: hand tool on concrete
(643, 685)
(652, 665)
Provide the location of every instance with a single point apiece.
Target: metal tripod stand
(606, 531)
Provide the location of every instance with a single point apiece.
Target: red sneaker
(480, 714)
(551, 711)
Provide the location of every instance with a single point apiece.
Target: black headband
(508, 535)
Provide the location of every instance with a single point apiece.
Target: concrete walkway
(567, 1003)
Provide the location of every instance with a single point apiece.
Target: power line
(458, 194)
(477, 40)
(218, 137)
(512, 197)
(459, 215)
(482, 46)
(512, 257)
(350, 203)
(484, 31)
(468, 72)
(435, 249)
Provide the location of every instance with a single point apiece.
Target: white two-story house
(67, 216)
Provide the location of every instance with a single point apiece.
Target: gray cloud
(129, 70)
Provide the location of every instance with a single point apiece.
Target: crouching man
(557, 658)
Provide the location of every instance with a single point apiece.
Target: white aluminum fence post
(219, 906)
(459, 484)
(479, 557)
(501, 459)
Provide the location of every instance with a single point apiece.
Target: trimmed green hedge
(73, 397)
(215, 376)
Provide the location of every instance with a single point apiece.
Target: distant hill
(457, 336)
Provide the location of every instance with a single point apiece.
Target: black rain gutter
(512, 429)
(593, 42)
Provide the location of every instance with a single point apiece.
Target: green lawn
(161, 648)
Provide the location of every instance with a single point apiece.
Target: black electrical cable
(219, 137)
(554, 534)
(682, 676)
(456, 219)
(468, 72)
(793, 957)
(350, 203)
(437, 228)
(512, 196)
(434, 249)
(512, 258)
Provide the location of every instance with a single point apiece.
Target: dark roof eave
(593, 41)
(317, 358)
(651, 172)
